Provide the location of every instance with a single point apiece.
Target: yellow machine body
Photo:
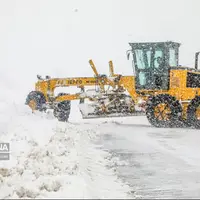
(177, 85)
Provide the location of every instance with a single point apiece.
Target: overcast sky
(58, 37)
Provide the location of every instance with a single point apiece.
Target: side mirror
(128, 54)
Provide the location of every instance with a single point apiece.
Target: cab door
(150, 69)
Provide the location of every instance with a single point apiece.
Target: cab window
(172, 57)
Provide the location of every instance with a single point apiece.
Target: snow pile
(53, 159)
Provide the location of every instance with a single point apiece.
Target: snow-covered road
(98, 158)
(160, 163)
(103, 158)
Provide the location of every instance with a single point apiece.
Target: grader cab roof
(142, 45)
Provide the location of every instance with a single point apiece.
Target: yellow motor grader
(167, 93)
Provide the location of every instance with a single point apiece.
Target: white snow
(86, 108)
(52, 159)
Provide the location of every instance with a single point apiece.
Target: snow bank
(50, 159)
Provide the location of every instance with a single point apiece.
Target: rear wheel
(36, 101)
(62, 111)
(193, 112)
(163, 111)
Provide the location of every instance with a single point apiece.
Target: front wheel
(163, 111)
(36, 101)
(62, 111)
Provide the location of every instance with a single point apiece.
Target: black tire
(172, 104)
(192, 118)
(62, 111)
(38, 98)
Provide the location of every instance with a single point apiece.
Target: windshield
(150, 67)
(143, 58)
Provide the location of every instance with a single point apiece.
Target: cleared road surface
(160, 163)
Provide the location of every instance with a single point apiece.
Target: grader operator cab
(168, 94)
(151, 64)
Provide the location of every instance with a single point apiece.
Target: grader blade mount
(111, 96)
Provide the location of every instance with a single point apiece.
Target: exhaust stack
(196, 59)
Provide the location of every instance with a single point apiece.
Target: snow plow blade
(91, 116)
